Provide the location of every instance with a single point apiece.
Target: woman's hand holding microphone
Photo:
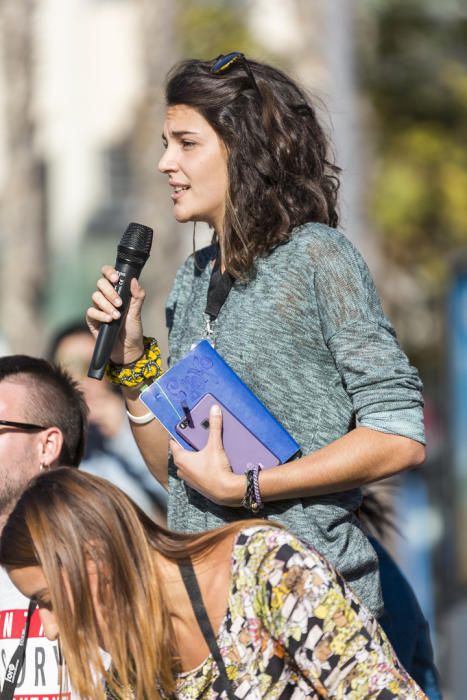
(106, 303)
(207, 471)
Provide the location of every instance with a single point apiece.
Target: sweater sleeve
(385, 390)
(329, 636)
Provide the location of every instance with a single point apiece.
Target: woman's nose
(49, 624)
(167, 164)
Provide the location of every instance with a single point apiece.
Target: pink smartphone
(243, 449)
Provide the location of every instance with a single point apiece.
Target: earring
(43, 467)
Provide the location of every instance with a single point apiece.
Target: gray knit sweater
(309, 337)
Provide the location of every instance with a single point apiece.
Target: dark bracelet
(252, 499)
(256, 470)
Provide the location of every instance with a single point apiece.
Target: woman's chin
(182, 217)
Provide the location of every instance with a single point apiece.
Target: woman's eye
(188, 144)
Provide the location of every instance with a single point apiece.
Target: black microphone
(132, 252)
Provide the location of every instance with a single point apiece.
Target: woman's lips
(179, 191)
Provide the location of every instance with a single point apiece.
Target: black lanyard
(196, 599)
(220, 285)
(17, 660)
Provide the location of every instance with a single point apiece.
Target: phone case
(243, 449)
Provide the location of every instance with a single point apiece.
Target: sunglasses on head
(222, 64)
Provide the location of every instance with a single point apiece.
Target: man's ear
(50, 446)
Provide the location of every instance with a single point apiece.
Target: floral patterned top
(294, 629)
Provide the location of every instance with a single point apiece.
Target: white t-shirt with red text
(39, 677)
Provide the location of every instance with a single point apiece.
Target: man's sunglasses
(222, 64)
(20, 425)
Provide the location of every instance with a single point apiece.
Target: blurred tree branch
(208, 28)
(414, 69)
(149, 189)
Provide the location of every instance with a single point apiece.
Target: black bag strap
(196, 599)
(17, 660)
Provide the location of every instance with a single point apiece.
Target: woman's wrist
(252, 500)
(128, 356)
(131, 396)
(235, 491)
(146, 369)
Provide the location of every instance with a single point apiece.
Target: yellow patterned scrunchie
(149, 366)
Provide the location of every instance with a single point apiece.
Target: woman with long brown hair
(106, 577)
(289, 304)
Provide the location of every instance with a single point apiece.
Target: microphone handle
(108, 332)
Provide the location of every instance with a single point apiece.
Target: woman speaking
(290, 306)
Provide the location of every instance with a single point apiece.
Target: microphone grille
(137, 237)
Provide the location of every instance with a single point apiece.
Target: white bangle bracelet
(141, 420)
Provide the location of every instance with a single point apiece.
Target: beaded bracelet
(252, 499)
(149, 366)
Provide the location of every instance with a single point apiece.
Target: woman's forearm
(151, 438)
(360, 457)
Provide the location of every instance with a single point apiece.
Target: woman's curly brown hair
(278, 167)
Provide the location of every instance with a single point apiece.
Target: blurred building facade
(85, 125)
(90, 115)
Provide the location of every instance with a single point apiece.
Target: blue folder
(203, 371)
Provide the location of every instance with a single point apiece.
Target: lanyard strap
(17, 660)
(220, 285)
(196, 599)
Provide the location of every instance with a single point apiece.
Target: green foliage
(415, 70)
(208, 28)
(420, 202)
